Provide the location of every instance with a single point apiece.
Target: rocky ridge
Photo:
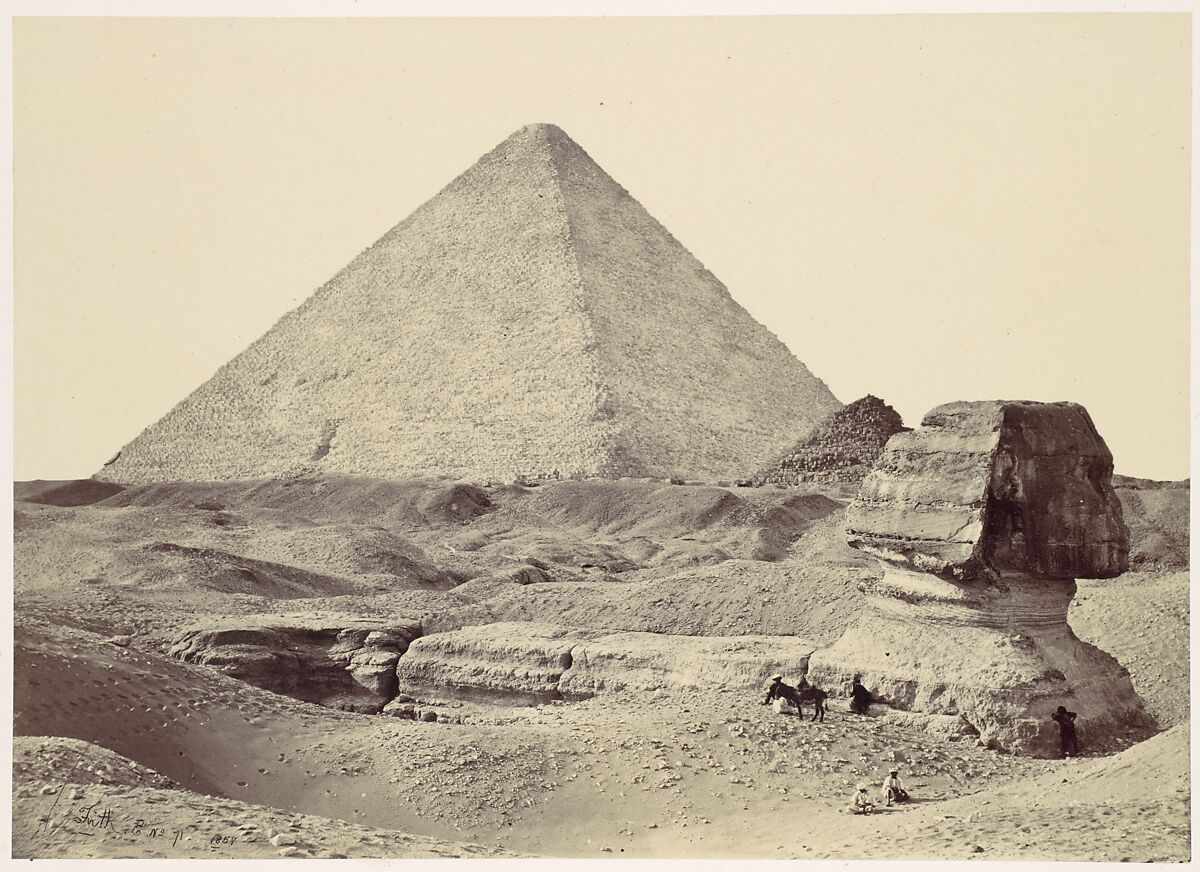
(351, 666)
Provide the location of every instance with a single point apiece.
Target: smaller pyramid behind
(843, 447)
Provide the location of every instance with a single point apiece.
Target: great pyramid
(532, 319)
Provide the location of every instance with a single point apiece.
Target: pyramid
(841, 448)
(530, 320)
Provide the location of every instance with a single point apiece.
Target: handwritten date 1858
(97, 819)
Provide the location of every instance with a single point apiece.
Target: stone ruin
(983, 519)
(839, 449)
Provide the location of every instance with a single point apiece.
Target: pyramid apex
(544, 125)
(543, 128)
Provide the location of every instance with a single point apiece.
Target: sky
(924, 208)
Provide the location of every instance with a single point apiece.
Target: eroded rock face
(984, 518)
(519, 659)
(649, 661)
(990, 487)
(342, 666)
(549, 661)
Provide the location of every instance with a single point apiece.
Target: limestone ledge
(557, 661)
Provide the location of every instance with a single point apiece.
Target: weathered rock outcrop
(344, 666)
(839, 449)
(648, 661)
(984, 517)
(549, 661)
(519, 659)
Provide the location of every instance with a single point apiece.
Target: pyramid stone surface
(530, 319)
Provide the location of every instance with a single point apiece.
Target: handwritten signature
(96, 820)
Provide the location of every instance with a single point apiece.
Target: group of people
(861, 700)
(892, 791)
(860, 703)
(860, 697)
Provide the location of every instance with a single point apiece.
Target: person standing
(1067, 737)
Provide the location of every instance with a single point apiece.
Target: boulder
(398, 709)
(983, 519)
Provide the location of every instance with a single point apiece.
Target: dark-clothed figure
(860, 697)
(1066, 731)
(779, 690)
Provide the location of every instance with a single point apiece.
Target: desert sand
(565, 607)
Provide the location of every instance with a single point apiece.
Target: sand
(635, 773)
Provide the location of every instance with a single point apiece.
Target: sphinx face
(990, 488)
(1050, 508)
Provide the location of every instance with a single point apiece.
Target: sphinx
(983, 518)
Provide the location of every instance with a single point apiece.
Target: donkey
(814, 695)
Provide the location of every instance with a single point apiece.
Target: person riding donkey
(797, 696)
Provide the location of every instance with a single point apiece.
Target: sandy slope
(1131, 807)
(67, 820)
(1142, 620)
(639, 774)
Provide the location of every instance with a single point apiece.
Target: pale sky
(923, 208)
